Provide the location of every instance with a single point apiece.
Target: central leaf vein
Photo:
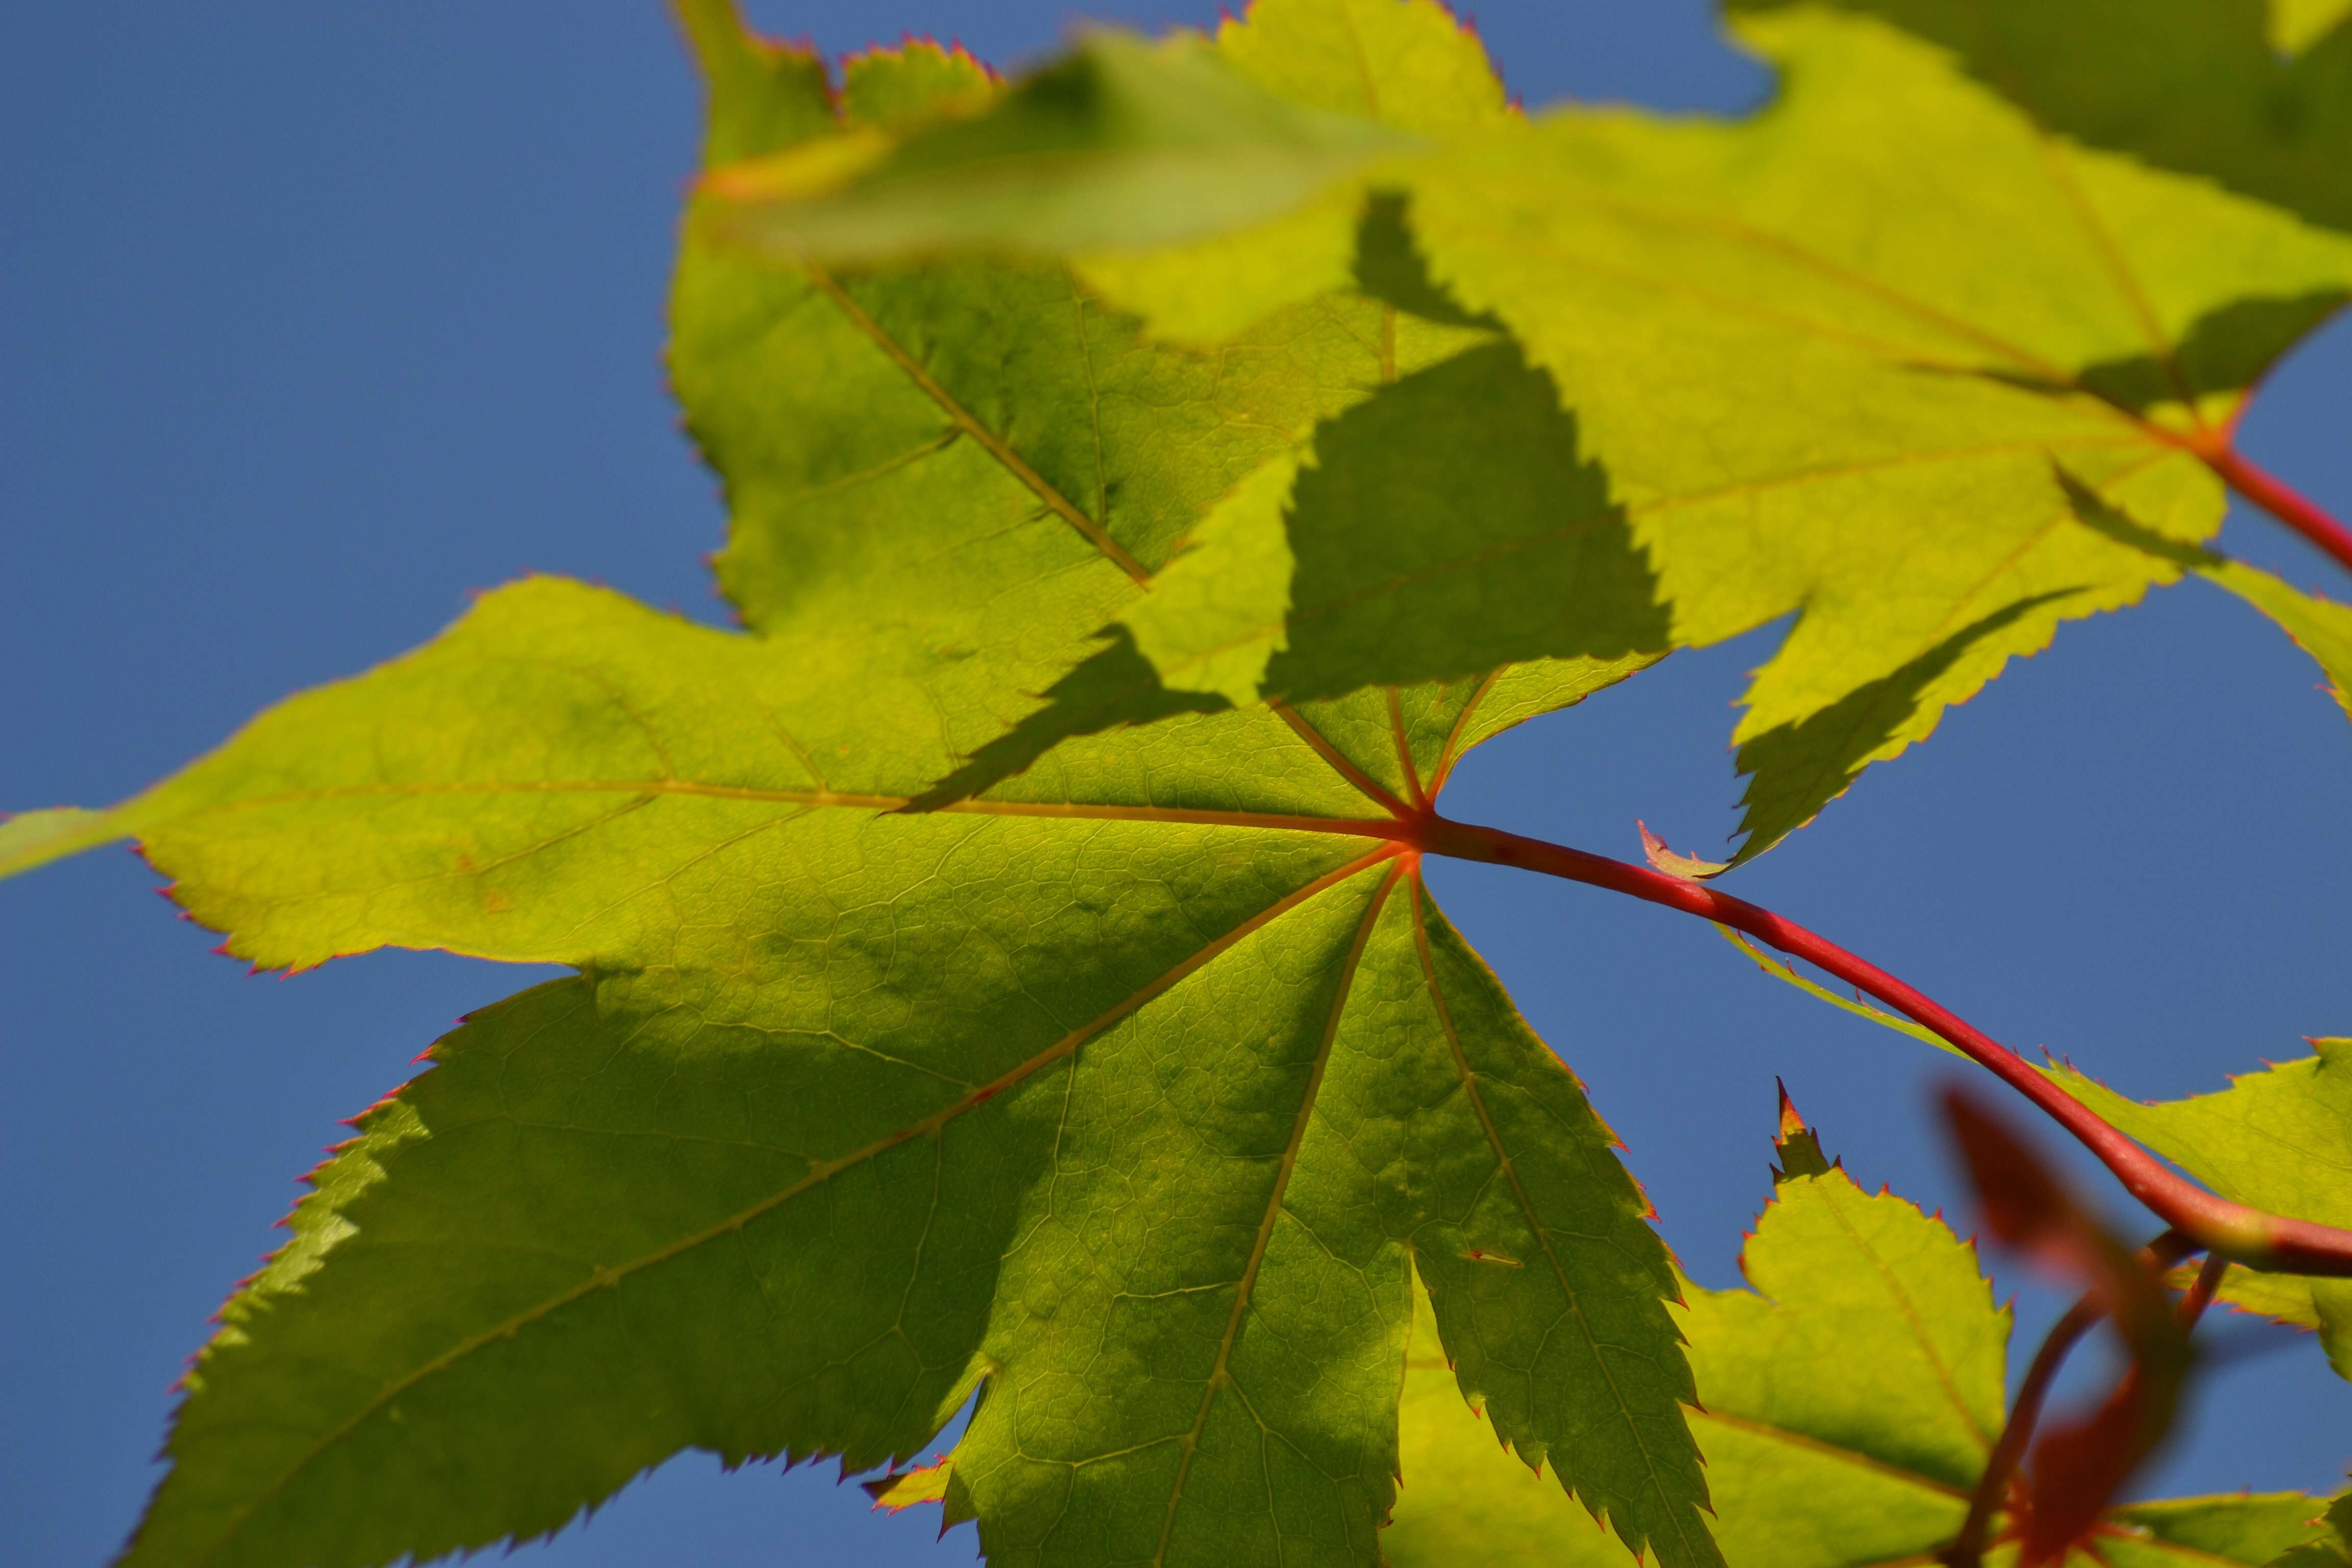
(1220, 1374)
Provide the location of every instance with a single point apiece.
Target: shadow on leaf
(2226, 350)
(1114, 686)
(1445, 527)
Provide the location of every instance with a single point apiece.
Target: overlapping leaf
(970, 461)
(1130, 1084)
(1860, 356)
(1847, 1403)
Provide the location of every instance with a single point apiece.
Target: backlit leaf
(910, 1489)
(1122, 1097)
(1122, 143)
(1906, 320)
(2333, 1551)
(1004, 978)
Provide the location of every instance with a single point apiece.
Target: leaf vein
(1527, 1209)
(1220, 1376)
(995, 446)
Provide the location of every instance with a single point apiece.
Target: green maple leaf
(1123, 1096)
(1131, 1084)
(1861, 356)
(1847, 1403)
(2280, 1140)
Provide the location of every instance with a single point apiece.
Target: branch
(2290, 506)
(2248, 1236)
(1966, 1550)
(2202, 1290)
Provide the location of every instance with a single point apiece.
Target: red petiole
(2259, 486)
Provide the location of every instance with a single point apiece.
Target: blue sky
(316, 318)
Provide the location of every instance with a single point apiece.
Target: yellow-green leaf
(1852, 358)
(1123, 1095)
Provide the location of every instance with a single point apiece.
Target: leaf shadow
(2225, 350)
(1114, 686)
(1389, 267)
(1444, 526)
(2095, 512)
(1451, 525)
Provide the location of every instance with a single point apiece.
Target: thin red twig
(2202, 1290)
(1966, 1550)
(2247, 1235)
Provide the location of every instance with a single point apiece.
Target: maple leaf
(1857, 356)
(1847, 1402)
(2280, 1138)
(934, 1041)
(1123, 141)
(1121, 1096)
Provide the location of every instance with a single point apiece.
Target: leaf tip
(1799, 1146)
(906, 1488)
(1687, 868)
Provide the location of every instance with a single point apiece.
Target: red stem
(2274, 496)
(2203, 1289)
(1966, 1551)
(2249, 1236)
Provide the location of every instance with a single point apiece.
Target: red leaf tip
(1687, 868)
(1790, 1122)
